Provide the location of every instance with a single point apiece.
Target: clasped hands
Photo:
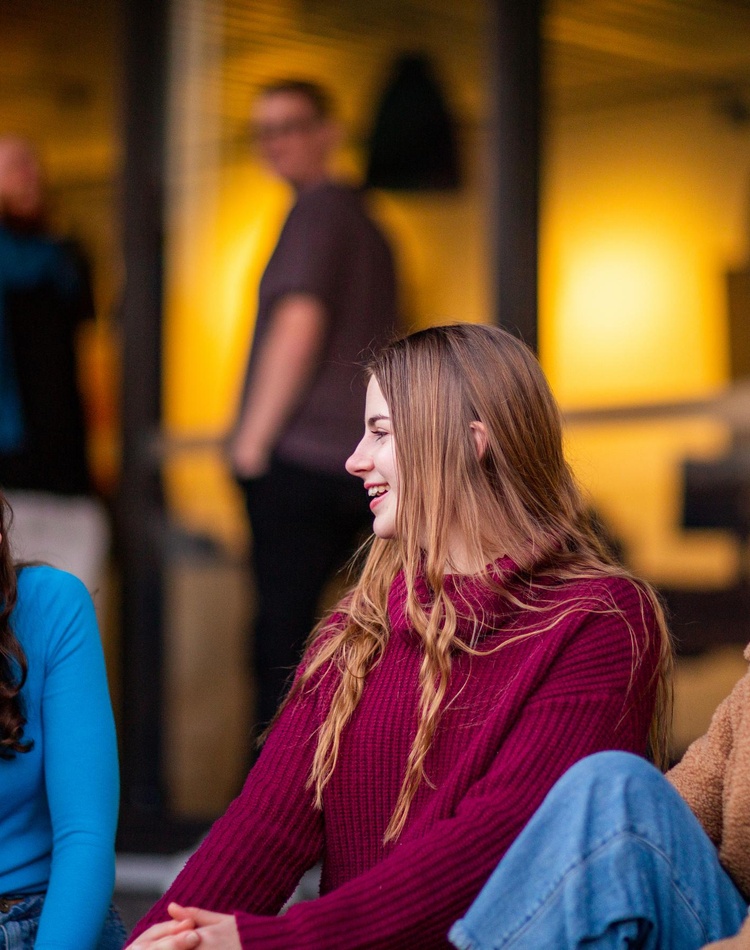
(191, 927)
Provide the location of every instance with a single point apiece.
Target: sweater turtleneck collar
(470, 594)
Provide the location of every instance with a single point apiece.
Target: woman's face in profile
(374, 461)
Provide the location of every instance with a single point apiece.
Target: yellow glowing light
(215, 271)
(631, 319)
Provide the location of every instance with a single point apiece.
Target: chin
(386, 533)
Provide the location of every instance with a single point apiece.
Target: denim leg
(113, 933)
(613, 858)
(19, 926)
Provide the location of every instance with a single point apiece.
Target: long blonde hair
(517, 498)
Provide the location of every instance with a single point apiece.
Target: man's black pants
(305, 526)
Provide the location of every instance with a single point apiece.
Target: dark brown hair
(318, 97)
(13, 665)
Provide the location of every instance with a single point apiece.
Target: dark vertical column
(516, 122)
(140, 514)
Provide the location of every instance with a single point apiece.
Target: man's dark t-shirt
(42, 319)
(330, 249)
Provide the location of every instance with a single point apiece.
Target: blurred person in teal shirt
(45, 298)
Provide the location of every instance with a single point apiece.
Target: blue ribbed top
(58, 802)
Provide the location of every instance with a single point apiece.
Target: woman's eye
(379, 434)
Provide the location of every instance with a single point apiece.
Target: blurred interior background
(631, 155)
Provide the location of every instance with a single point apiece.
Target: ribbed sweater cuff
(270, 933)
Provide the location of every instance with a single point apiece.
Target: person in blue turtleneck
(58, 764)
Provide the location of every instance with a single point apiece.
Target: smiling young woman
(488, 645)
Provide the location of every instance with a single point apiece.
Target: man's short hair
(318, 97)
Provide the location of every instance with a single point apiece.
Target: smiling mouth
(376, 494)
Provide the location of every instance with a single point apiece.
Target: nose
(359, 462)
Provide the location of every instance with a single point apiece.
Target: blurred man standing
(45, 295)
(327, 298)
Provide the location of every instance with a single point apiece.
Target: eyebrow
(379, 418)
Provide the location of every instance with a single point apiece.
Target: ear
(479, 431)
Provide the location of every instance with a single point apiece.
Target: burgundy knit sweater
(514, 721)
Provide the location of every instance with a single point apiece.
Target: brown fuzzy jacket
(714, 779)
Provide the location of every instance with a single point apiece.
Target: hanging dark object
(413, 145)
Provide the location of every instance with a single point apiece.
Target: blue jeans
(613, 858)
(18, 926)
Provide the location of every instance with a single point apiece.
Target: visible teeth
(377, 490)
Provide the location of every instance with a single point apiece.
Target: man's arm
(285, 364)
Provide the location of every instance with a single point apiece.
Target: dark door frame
(140, 503)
